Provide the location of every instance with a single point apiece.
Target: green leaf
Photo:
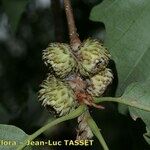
(77, 112)
(137, 98)
(14, 10)
(12, 137)
(147, 137)
(127, 27)
(140, 92)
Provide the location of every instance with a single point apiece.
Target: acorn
(99, 82)
(94, 57)
(57, 94)
(58, 56)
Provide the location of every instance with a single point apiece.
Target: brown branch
(74, 37)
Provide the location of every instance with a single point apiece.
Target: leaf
(137, 99)
(147, 137)
(14, 10)
(140, 92)
(12, 135)
(123, 109)
(75, 113)
(127, 26)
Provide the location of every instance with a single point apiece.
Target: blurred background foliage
(26, 28)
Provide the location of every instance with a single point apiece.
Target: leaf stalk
(129, 102)
(69, 116)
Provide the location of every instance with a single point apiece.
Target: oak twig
(73, 35)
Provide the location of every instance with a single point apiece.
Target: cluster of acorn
(76, 74)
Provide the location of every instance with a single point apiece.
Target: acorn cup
(57, 95)
(59, 57)
(99, 82)
(94, 57)
(79, 76)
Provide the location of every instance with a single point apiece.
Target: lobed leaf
(128, 39)
(140, 93)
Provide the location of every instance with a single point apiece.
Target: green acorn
(57, 95)
(94, 57)
(59, 57)
(99, 82)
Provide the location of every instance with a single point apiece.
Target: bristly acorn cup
(78, 76)
(57, 96)
(58, 56)
(94, 57)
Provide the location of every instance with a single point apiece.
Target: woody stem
(73, 35)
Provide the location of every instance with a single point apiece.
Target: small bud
(57, 95)
(99, 82)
